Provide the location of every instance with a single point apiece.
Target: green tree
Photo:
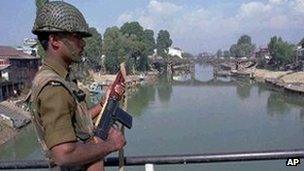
(244, 39)
(282, 52)
(187, 55)
(41, 51)
(233, 50)
(132, 28)
(112, 45)
(219, 53)
(93, 48)
(243, 48)
(134, 33)
(131, 44)
(163, 42)
(226, 54)
(149, 42)
(301, 42)
(139, 43)
(141, 99)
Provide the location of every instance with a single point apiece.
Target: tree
(139, 43)
(301, 42)
(233, 50)
(40, 50)
(244, 39)
(282, 52)
(149, 42)
(135, 47)
(132, 28)
(93, 48)
(226, 54)
(243, 48)
(131, 44)
(219, 53)
(163, 43)
(187, 55)
(111, 47)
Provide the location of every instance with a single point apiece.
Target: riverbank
(12, 120)
(132, 81)
(290, 81)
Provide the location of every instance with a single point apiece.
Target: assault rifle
(111, 112)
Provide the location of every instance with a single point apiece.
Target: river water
(202, 116)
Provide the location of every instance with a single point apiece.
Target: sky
(194, 25)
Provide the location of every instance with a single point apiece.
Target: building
(17, 69)
(205, 55)
(299, 57)
(29, 46)
(300, 52)
(174, 51)
(263, 54)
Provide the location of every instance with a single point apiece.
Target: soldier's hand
(119, 89)
(116, 139)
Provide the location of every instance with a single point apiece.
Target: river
(202, 116)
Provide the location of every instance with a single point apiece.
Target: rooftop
(11, 53)
(3, 67)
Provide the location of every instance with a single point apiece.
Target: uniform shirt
(56, 108)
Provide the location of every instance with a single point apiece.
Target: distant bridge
(210, 83)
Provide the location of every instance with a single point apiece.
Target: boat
(95, 88)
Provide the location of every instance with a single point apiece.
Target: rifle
(111, 112)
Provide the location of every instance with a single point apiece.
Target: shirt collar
(57, 66)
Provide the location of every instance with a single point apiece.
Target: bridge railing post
(149, 167)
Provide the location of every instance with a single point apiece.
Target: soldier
(63, 123)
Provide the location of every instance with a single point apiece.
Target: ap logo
(292, 162)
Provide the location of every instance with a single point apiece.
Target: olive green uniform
(56, 108)
(59, 111)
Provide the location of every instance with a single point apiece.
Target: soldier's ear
(54, 41)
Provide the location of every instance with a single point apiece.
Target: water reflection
(164, 90)
(204, 72)
(22, 146)
(302, 114)
(139, 101)
(280, 103)
(243, 89)
(276, 105)
(262, 88)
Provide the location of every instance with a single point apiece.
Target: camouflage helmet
(58, 16)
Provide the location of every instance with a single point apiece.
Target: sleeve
(56, 110)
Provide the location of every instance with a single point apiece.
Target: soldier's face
(73, 46)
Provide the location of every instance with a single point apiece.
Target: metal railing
(150, 161)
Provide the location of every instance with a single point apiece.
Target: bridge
(214, 82)
(149, 161)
